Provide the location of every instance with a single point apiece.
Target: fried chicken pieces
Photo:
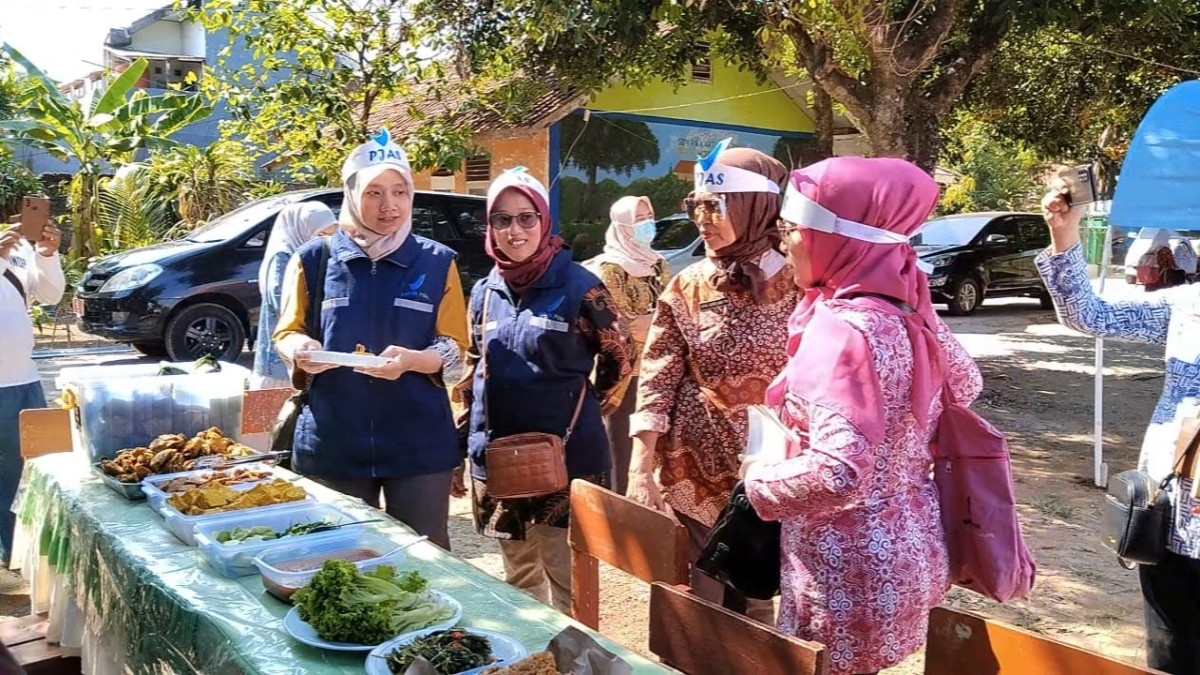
(170, 453)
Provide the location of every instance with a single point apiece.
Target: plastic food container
(237, 560)
(121, 407)
(183, 527)
(150, 490)
(276, 563)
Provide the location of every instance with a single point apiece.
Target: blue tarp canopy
(1159, 185)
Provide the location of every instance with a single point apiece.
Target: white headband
(713, 177)
(799, 209)
(517, 177)
(804, 212)
(379, 150)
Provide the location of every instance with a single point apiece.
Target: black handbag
(742, 550)
(283, 431)
(1138, 510)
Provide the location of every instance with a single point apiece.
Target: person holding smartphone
(1170, 318)
(31, 272)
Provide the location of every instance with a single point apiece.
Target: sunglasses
(695, 207)
(527, 220)
(785, 228)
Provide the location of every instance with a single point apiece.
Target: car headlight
(939, 261)
(129, 279)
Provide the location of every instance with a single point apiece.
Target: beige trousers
(541, 565)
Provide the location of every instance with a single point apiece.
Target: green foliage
(998, 173)
(320, 68)
(204, 182)
(16, 181)
(132, 213)
(1061, 92)
(98, 132)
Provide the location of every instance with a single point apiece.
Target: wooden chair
(648, 544)
(44, 431)
(24, 642)
(698, 637)
(960, 642)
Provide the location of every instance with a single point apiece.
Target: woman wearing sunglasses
(541, 323)
(717, 340)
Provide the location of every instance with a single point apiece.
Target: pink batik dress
(864, 557)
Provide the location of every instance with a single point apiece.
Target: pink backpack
(979, 514)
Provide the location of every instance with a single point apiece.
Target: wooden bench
(24, 641)
(698, 637)
(648, 544)
(961, 642)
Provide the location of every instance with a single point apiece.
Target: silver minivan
(678, 240)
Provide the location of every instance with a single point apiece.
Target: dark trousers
(12, 401)
(1171, 591)
(620, 445)
(421, 502)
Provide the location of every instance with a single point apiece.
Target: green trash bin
(1093, 231)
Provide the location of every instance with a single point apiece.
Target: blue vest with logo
(538, 364)
(355, 425)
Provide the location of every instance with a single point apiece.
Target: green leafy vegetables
(449, 651)
(345, 605)
(248, 535)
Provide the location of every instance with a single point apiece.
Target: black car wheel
(1046, 301)
(967, 298)
(156, 350)
(205, 330)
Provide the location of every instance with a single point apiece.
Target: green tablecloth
(158, 600)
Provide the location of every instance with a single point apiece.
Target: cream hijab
(366, 163)
(636, 258)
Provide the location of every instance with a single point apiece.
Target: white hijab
(636, 258)
(366, 163)
(294, 226)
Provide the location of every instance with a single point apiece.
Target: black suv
(978, 255)
(199, 295)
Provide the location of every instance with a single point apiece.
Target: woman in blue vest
(389, 429)
(548, 323)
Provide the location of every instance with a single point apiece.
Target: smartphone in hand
(35, 215)
(1081, 184)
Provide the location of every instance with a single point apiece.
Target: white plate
(347, 359)
(299, 629)
(507, 650)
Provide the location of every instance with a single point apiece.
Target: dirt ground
(1038, 390)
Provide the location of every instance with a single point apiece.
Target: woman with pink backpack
(864, 552)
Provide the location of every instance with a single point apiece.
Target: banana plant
(100, 132)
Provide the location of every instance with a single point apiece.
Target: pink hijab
(830, 362)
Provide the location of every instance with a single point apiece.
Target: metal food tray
(131, 491)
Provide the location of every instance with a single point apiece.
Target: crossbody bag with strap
(12, 279)
(283, 432)
(1138, 510)
(532, 464)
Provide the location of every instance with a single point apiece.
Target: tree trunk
(821, 145)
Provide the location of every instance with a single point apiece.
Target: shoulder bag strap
(12, 279)
(1186, 447)
(483, 321)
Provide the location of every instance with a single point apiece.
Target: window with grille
(702, 69)
(479, 169)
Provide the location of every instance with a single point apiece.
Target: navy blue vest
(537, 365)
(357, 426)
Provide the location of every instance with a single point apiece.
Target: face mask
(643, 232)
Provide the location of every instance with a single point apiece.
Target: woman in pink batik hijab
(864, 557)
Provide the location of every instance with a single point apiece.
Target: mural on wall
(611, 156)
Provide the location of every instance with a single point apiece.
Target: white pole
(1101, 469)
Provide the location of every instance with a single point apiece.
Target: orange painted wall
(533, 153)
